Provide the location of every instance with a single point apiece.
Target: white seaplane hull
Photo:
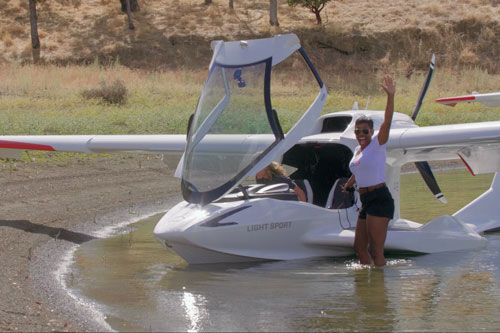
(269, 229)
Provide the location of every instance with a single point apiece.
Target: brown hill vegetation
(357, 35)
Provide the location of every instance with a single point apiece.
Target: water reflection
(140, 285)
(461, 294)
(419, 290)
(372, 303)
(357, 302)
(194, 307)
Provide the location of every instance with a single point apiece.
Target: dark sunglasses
(364, 131)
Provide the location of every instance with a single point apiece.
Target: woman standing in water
(368, 171)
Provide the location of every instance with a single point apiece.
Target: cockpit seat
(338, 199)
(306, 187)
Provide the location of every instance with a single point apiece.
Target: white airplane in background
(235, 132)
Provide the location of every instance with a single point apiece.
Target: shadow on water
(56, 233)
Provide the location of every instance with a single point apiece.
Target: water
(140, 285)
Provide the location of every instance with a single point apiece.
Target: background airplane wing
(491, 100)
(12, 146)
(477, 144)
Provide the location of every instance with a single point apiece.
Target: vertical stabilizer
(483, 213)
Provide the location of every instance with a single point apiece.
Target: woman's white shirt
(368, 165)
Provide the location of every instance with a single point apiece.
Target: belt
(362, 190)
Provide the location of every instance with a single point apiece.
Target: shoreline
(48, 210)
(62, 298)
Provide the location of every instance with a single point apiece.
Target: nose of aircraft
(178, 219)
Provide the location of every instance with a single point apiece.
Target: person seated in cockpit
(276, 174)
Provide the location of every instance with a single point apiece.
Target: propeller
(423, 167)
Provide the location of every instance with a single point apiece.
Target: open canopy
(235, 132)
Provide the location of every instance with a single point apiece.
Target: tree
(35, 40)
(129, 16)
(273, 12)
(129, 6)
(315, 6)
(134, 6)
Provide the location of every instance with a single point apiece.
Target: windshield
(230, 128)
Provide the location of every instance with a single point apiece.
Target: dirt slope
(356, 34)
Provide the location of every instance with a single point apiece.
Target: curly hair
(365, 120)
(276, 169)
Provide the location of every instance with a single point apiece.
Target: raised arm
(390, 88)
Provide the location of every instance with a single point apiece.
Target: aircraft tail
(483, 213)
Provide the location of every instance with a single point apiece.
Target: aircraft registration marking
(269, 226)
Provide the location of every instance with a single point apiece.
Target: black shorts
(378, 202)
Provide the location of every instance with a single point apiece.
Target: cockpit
(318, 169)
(237, 130)
(321, 165)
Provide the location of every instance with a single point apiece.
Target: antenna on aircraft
(367, 102)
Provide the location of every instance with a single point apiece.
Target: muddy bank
(46, 210)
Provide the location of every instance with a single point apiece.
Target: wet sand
(47, 210)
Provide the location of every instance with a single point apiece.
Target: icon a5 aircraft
(236, 131)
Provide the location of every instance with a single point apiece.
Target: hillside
(357, 35)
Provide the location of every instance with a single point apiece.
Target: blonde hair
(276, 169)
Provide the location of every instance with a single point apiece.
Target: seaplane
(236, 132)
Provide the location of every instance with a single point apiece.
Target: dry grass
(468, 56)
(114, 93)
(372, 35)
(16, 29)
(7, 39)
(161, 101)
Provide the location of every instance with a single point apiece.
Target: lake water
(139, 285)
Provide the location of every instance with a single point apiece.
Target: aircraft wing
(492, 99)
(231, 144)
(12, 146)
(477, 144)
